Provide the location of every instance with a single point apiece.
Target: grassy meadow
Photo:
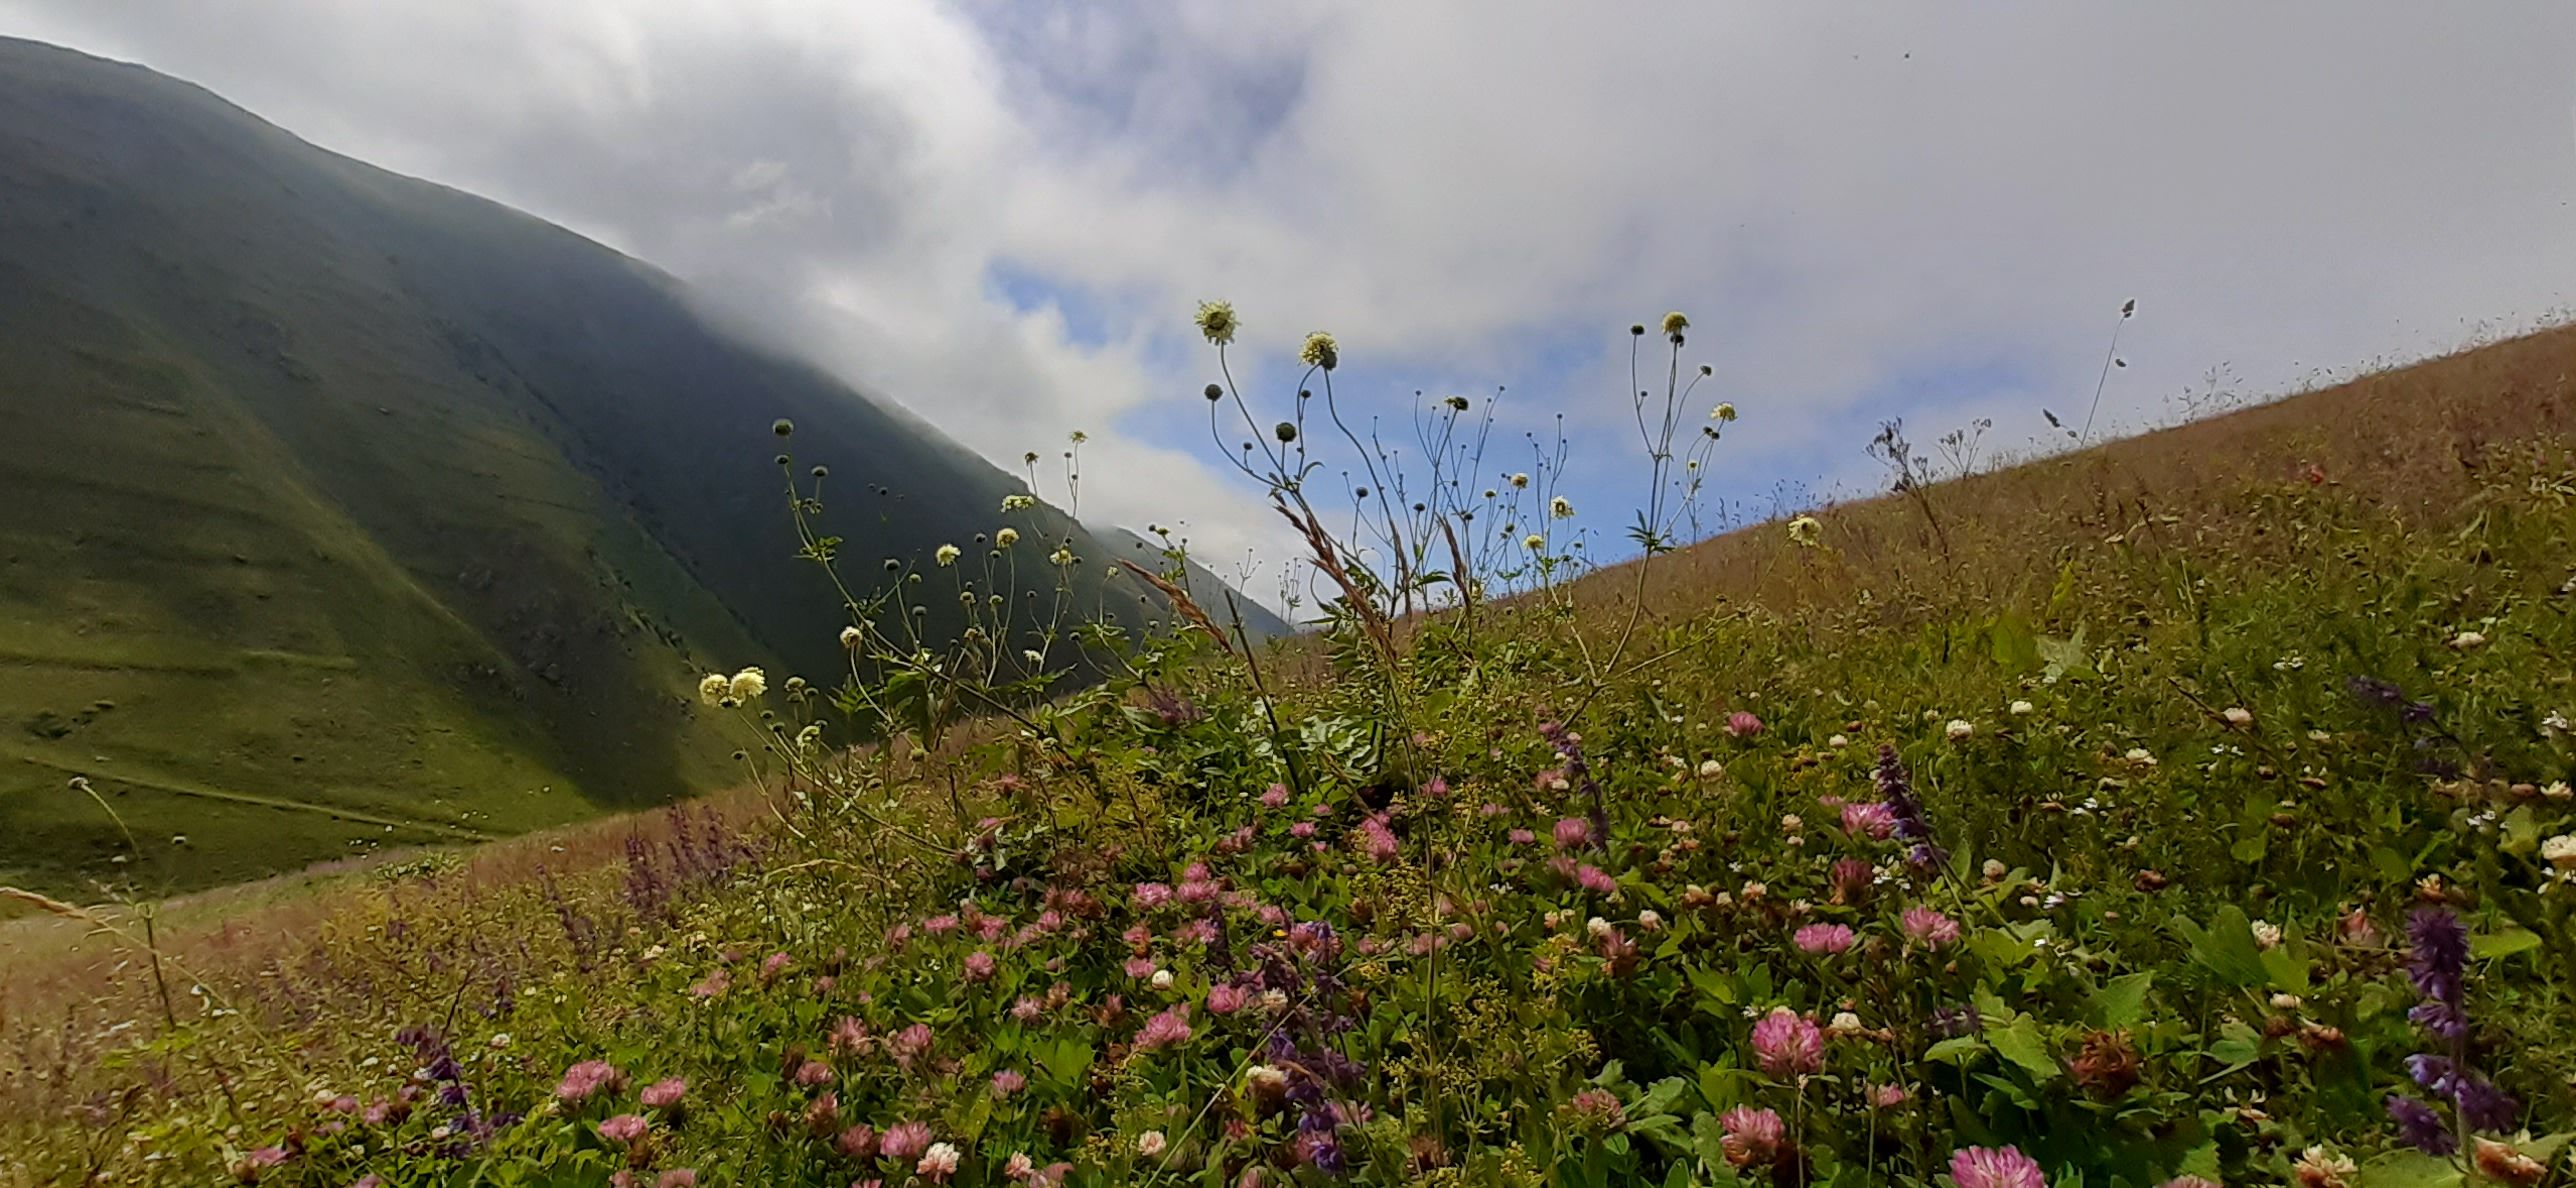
(2188, 810)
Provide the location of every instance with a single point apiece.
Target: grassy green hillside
(338, 508)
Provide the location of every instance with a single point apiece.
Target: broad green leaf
(2504, 942)
(2020, 1043)
(1958, 1049)
(2410, 1169)
(2122, 1000)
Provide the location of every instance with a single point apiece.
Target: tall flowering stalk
(1569, 747)
(2437, 961)
(1896, 791)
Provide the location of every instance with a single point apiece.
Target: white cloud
(1933, 214)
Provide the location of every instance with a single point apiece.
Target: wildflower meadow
(2089, 821)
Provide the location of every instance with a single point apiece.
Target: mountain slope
(339, 507)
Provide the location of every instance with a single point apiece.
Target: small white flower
(2138, 757)
(2021, 709)
(939, 1161)
(2560, 851)
(1162, 979)
(499, 1040)
(947, 554)
(1993, 870)
(1597, 926)
(1844, 1023)
(2468, 641)
(1151, 1143)
(1710, 769)
(1012, 503)
(1061, 556)
(2557, 790)
(1006, 537)
(1838, 742)
(2267, 934)
(748, 684)
(1561, 507)
(1274, 1001)
(1650, 921)
(1520, 481)
(1959, 729)
(1534, 542)
(1216, 322)
(2286, 1002)
(713, 688)
(1033, 656)
(1723, 412)
(850, 637)
(2238, 716)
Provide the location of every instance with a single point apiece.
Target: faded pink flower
(713, 985)
(1741, 724)
(813, 1073)
(1149, 896)
(678, 1177)
(1592, 879)
(1140, 967)
(1275, 796)
(904, 1140)
(1573, 832)
(1378, 841)
(1302, 829)
(979, 966)
(938, 1163)
(858, 1142)
(1165, 1029)
(1225, 998)
(774, 965)
(1995, 1167)
(1521, 837)
(1928, 927)
(1788, 1044)
(1823, 939)
(583, 1080)
(911, 1044)
(940, 925)
(1873, 820)
(1008, 1081)
(624, 1129)
(664, 1094)
(1888, 1097)
(1750, 1137)
(1027, 1007)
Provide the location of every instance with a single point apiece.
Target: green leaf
(2226, 947)
(2122, 1000)
(2065, 657)
(2012, 642)
(2504, 942)
(1958, 1049)
(2410, 1169)
(2020, 1043)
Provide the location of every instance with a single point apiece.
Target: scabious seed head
(1216, 322)
(1320, 351)
(1675, 323)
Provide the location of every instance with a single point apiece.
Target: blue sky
(1002, 215)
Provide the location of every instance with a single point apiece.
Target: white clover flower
(1597, 926)
(1561, 507)
(2139, 757)
(2238, 716)
(1162, 979)
(851, 637)
(1960, 729)
(2560, 851)
(1320, 351)
(1217, 322)
(2557, 790)
(2021, 709)
(1844, 1023)
(1838, 742)
(1710, 769)
(1650, 920)
(1151, 1143)
(748, 684)
(1993, 870)
(2468, 641)
(2267, 935)
(946, 555)
(712, 688)
(1006, 537)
